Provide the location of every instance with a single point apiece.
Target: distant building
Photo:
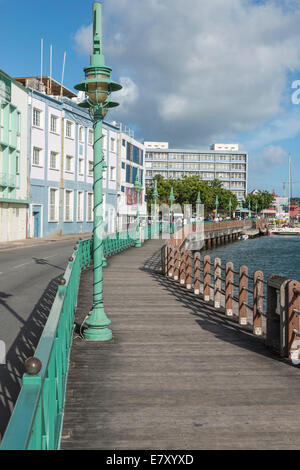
(279, 209)
(132, 157)
(13, 159)
(224, 162)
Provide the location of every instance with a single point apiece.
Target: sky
(194, 72)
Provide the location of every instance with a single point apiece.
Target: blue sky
(193, 72)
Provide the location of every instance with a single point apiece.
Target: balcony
(8, 180)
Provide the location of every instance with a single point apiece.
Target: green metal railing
(36, 422)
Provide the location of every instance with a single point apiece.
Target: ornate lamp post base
(97, 326)
(138, 244)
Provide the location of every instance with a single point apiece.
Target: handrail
(37, 418)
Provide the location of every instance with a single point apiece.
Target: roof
(52, 87)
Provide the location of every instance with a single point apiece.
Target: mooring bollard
(188, 280)
(206, 278)
(243, 295)
(217, 283)
(258, 302)
(197, 261)
(294, 322)
(229, 281)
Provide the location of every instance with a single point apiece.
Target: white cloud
(202, 69)
(127, 96)
(268, 158)
(83, 39)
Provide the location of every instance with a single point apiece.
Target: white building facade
(224, 162)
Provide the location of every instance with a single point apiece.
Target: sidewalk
(27, 242)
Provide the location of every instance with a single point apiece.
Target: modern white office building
(224, 162)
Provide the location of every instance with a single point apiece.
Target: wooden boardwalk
(177, 374)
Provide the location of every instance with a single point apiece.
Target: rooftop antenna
(62, 77)
(42, 44)
(50, 91)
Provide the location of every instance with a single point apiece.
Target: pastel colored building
(131, 160)
(13, 159)
(60, 145)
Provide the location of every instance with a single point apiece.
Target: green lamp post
(138, 187)
(217, 205)
(155, 197)
(98, 87)
(256, 207)
(230, 206)
(171, 199)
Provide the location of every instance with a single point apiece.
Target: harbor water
(276, 254)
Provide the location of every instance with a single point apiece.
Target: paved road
(28, 284)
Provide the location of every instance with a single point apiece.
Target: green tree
(186, 191)
(263, 200)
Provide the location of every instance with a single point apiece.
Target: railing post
(229, 280)
(217, 283)
(182, 267)
(243, 295)
(176, 264)
(294, 321)
(171, 262)
(258, 292)
(188, 281)
(164, 259)
(197, 273)
(206, 278)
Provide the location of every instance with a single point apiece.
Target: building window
(17, 164)
(36, 117)
(80, 206)
(81, 134)
(69, 129)
(112, 173)
(53, 123)
(124, 142)
(36, 159)
(91, 166)
(53, 205)
(53, 161)
(69, 163)
(112, 144)
(89, 216)
(80, 166)
(91, 137)
(68, 205)
(123, 165)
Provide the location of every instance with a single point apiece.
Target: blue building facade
(60, 145)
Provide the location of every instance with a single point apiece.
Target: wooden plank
(177, 375)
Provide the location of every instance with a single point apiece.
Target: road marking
(19, 265)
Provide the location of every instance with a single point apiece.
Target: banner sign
(131, 198)
(5, 89)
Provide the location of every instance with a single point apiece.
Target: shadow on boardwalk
(177, 375)
(207, 317)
